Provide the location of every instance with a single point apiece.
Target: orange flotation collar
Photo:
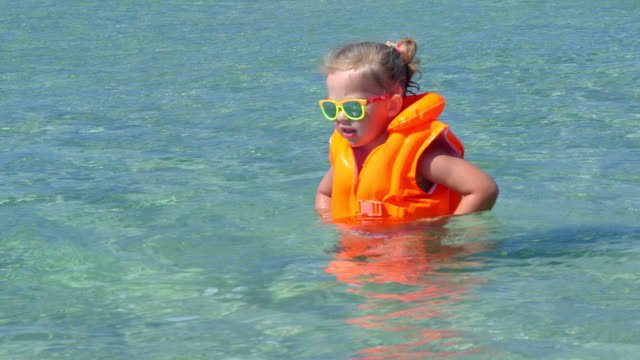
(386, 186)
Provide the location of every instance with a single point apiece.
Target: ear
(395, 105)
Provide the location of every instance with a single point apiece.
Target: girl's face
(370, 131)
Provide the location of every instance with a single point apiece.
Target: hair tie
(396, 46)
(392, 44)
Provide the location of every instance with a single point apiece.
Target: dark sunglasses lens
(329, 109)
(353, 109)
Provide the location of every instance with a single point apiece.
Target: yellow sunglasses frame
(340, 106)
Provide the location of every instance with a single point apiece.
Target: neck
(360, 153)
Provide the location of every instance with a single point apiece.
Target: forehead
(351, 83)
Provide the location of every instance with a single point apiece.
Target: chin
(355, 143)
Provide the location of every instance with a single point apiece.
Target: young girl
(390, 157)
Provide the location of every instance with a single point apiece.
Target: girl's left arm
(440, 165)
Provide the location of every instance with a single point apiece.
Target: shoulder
(441, 146)
(438, 157)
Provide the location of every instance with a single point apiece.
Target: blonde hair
(390, 64)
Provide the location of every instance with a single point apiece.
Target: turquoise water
(159, 162)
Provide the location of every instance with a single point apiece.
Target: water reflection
(414, 279)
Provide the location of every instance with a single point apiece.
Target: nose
(341, 116)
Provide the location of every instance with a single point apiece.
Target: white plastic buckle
(370, 207)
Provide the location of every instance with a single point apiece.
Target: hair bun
(407, 47)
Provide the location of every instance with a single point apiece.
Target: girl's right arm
(323, 194)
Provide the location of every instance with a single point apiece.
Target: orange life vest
(386, 186)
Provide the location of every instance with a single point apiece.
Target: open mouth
(348, 131)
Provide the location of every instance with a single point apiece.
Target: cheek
(373, 124)
(379, 117)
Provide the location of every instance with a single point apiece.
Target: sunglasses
(353, 109)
